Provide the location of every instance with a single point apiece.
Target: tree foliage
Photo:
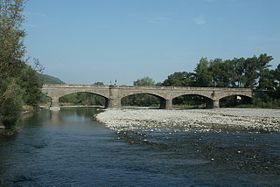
(11, 38)
(11, 103)
(203, 75)
(19, 83)
(146, 81)
(180, 79)
(252, 72)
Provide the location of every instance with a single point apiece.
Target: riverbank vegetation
(19, 82)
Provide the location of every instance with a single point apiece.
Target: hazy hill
(47, 79)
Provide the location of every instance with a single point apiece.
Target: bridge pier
(114, 103)
(166, 104)
(114, 100)
(55, 104)
(216, 104)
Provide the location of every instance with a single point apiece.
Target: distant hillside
(47, 79)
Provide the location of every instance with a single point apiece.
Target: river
(69, 148)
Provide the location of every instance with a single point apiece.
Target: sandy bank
(264, 120)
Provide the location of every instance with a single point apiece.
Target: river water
(69, 148)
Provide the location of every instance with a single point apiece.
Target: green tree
(11, 64)
(203, 75)
(31, 84)
(276, 76)
(11, 104)
(265, 74)
(266, 81)
(98, 84)
(146, 81)
(251, 74)
(11, 38)
(180, 79)
(19, 83)
(237, 72)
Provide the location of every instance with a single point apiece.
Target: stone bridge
(114, 94)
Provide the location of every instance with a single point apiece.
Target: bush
(11, 104)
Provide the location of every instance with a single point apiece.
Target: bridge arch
(235, 99)
(84, 98)
(144, 99)
(56, 93)
(134, 92)
(193, 100)
(206, 95)
(82, 91)
(241, 94)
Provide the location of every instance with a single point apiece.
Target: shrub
(11, 104)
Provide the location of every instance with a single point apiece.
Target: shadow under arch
(192, 101)
(83, 99)
(143, 100)
(235, 100)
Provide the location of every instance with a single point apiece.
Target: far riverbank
(223, 119)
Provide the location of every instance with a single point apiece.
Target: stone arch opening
(143, 100)
(192, 101)
(45, 100)
(235, 100)
(83, 99)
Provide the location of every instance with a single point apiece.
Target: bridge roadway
(114, 94)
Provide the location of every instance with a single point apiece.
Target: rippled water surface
(70, 149)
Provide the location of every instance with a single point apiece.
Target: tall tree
(264, 73)
(11, 38)
(238, 72)
(277, 82)
(251, 74)
(180, 79)
(203, 75)
(19, 83)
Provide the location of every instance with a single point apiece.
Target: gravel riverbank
(225, 119)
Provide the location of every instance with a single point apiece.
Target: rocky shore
(226, 119)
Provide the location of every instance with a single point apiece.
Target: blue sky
(84, 41)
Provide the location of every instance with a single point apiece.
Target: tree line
(19, 82)
(252, 72)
